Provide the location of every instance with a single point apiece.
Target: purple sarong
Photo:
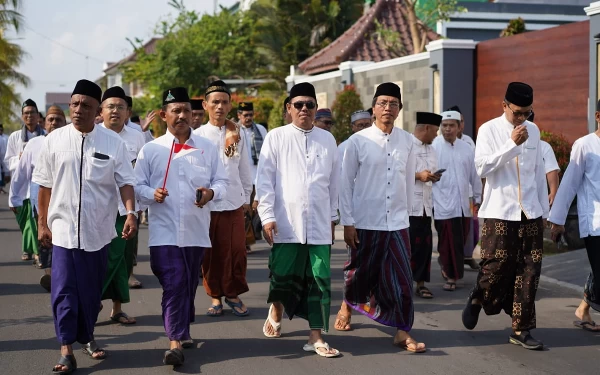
(77, 278)
(178, 271)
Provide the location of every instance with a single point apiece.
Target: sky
(97, 29)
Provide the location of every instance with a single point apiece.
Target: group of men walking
(383, 185)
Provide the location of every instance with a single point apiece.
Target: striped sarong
(301, 281)
(378, 278)
(28, 226)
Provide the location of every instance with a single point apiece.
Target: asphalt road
(231, 345)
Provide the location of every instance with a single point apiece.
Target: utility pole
(216, 4)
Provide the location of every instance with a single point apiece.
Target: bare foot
(583, 312)
(404, 341)
(344, 318)
(65, 350)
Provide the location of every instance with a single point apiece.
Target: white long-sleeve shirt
(468, 140)
(451, 192)
(178, 221)
(297, 184)
(550, 163)
(14, 148)
(147, 134)
(82, 171)
(515, 176)
(249, 139)
(582, 178)
(378, 180)
(21, 186)
(425, 159)
(237, 168)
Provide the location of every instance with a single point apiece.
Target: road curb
(546, 279)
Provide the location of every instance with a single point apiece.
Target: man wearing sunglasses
(324, 119)
(297, 191)
(515, 202)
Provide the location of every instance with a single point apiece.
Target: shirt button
(388, 182)
(388, 169)
(388, 197)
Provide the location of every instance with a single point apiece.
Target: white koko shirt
(425, 159)
(550, 163)
(582, 177)
(178, 221)
(237, 168)
(378, 180)
(14, 148)
(249, 139)
(515, 176)
(82, 171)
(21, 187)
(297, 184)
(451, 192)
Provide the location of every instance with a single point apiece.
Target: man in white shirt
(297, 191)
(582, 178)
(78, 170)
(255, 135)
(420, 211)
(179, 220)
(15, 146)
(197, 113)
(378, 181)
(142, 129)
(550, 166)
(359, 120)
(224, 264)
(120, 254)
(22, 187)
(451, 202)
(4, 173)
(515, 202)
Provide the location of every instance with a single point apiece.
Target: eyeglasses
(520, 114)
(384, 104)
(112, 107)
(300, 105)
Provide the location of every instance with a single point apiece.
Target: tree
(514, 27)
(276, 115)
(346, 102)
(11, 56)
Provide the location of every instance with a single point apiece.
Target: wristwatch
(134, 213)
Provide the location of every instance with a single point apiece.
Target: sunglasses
(300, 105)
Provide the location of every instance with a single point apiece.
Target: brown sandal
(344, 319)
(404, 344)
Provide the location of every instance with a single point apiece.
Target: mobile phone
(198, 195)
(440, 171)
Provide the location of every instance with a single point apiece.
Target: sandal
(586, 326)
(186, 344)
(174, 357)
(404, 344)
(67, 361)
(276, 326)
(134, 284)
(25, 257)
(423, 292)
(449, 287)
(117, 319)
(345, 320)
(217, 310)
(327, 353)
(92, 348)
(239, 305)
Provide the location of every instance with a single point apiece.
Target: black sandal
(449, 287)
(423, 292)
(174, 357)
(92, 348)
(69, 362)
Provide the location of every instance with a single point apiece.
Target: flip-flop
(239, 305)
(116, 318)
(218, 311)
(321, 345)
(25, 257)
(449, 287)
(91, 348)
(586, 326)
(135, 284)
(276, 326)
(424, 292)
(404, 344)
(66, 360)
(174, 357)
(344, 319)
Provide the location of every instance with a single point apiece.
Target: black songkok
(370, 110)
(29, 103)
(135, 119)
(388, 89)
(114, 92)
(303, 89)
(88, 88)
(454, 108)
(218, 86)
(176, 95)
(197, 104)
(287, 100)
(427, 118)
(129, 101)
(519, 93)
(245, 106)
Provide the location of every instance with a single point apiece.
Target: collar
(506, 123)
(302, 130)
(170, 137)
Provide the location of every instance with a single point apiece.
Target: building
(61, 99)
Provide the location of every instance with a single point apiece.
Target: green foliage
(432, 11)
(276, 116)
(391, 40)
(514, 27)
(346, 102)
(561, 148)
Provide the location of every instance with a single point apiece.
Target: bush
(276, 115)
(346, 102)
(561, 148)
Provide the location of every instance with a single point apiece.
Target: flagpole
(168, 164)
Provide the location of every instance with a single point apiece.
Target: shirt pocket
(399, 158)
(200, 176)
(99, 170)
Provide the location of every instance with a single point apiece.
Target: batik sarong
(116, 285)
(511, 264)
(177, 270)
(591, 290)
(28, 226)
(76, 290)
(224, 265)
(301, 281)
(452, 234)
(378, 278)
(421, 247)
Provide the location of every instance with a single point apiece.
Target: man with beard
(197, 113)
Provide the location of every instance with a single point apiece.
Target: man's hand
(556, 231)
(160, 195)
(269, 232)
(130, 227)
(476, 209)
(247, 209)
(14, 209)
(44, 236)
(551, 197)
(519, 134)
(207, 195)
(332, 231)
(150, 116)
(423, 176)
(351, 236)
(255, 206)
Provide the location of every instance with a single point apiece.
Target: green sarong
(301, 281)
(116, 286)
(28, 227)
(130, 253)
